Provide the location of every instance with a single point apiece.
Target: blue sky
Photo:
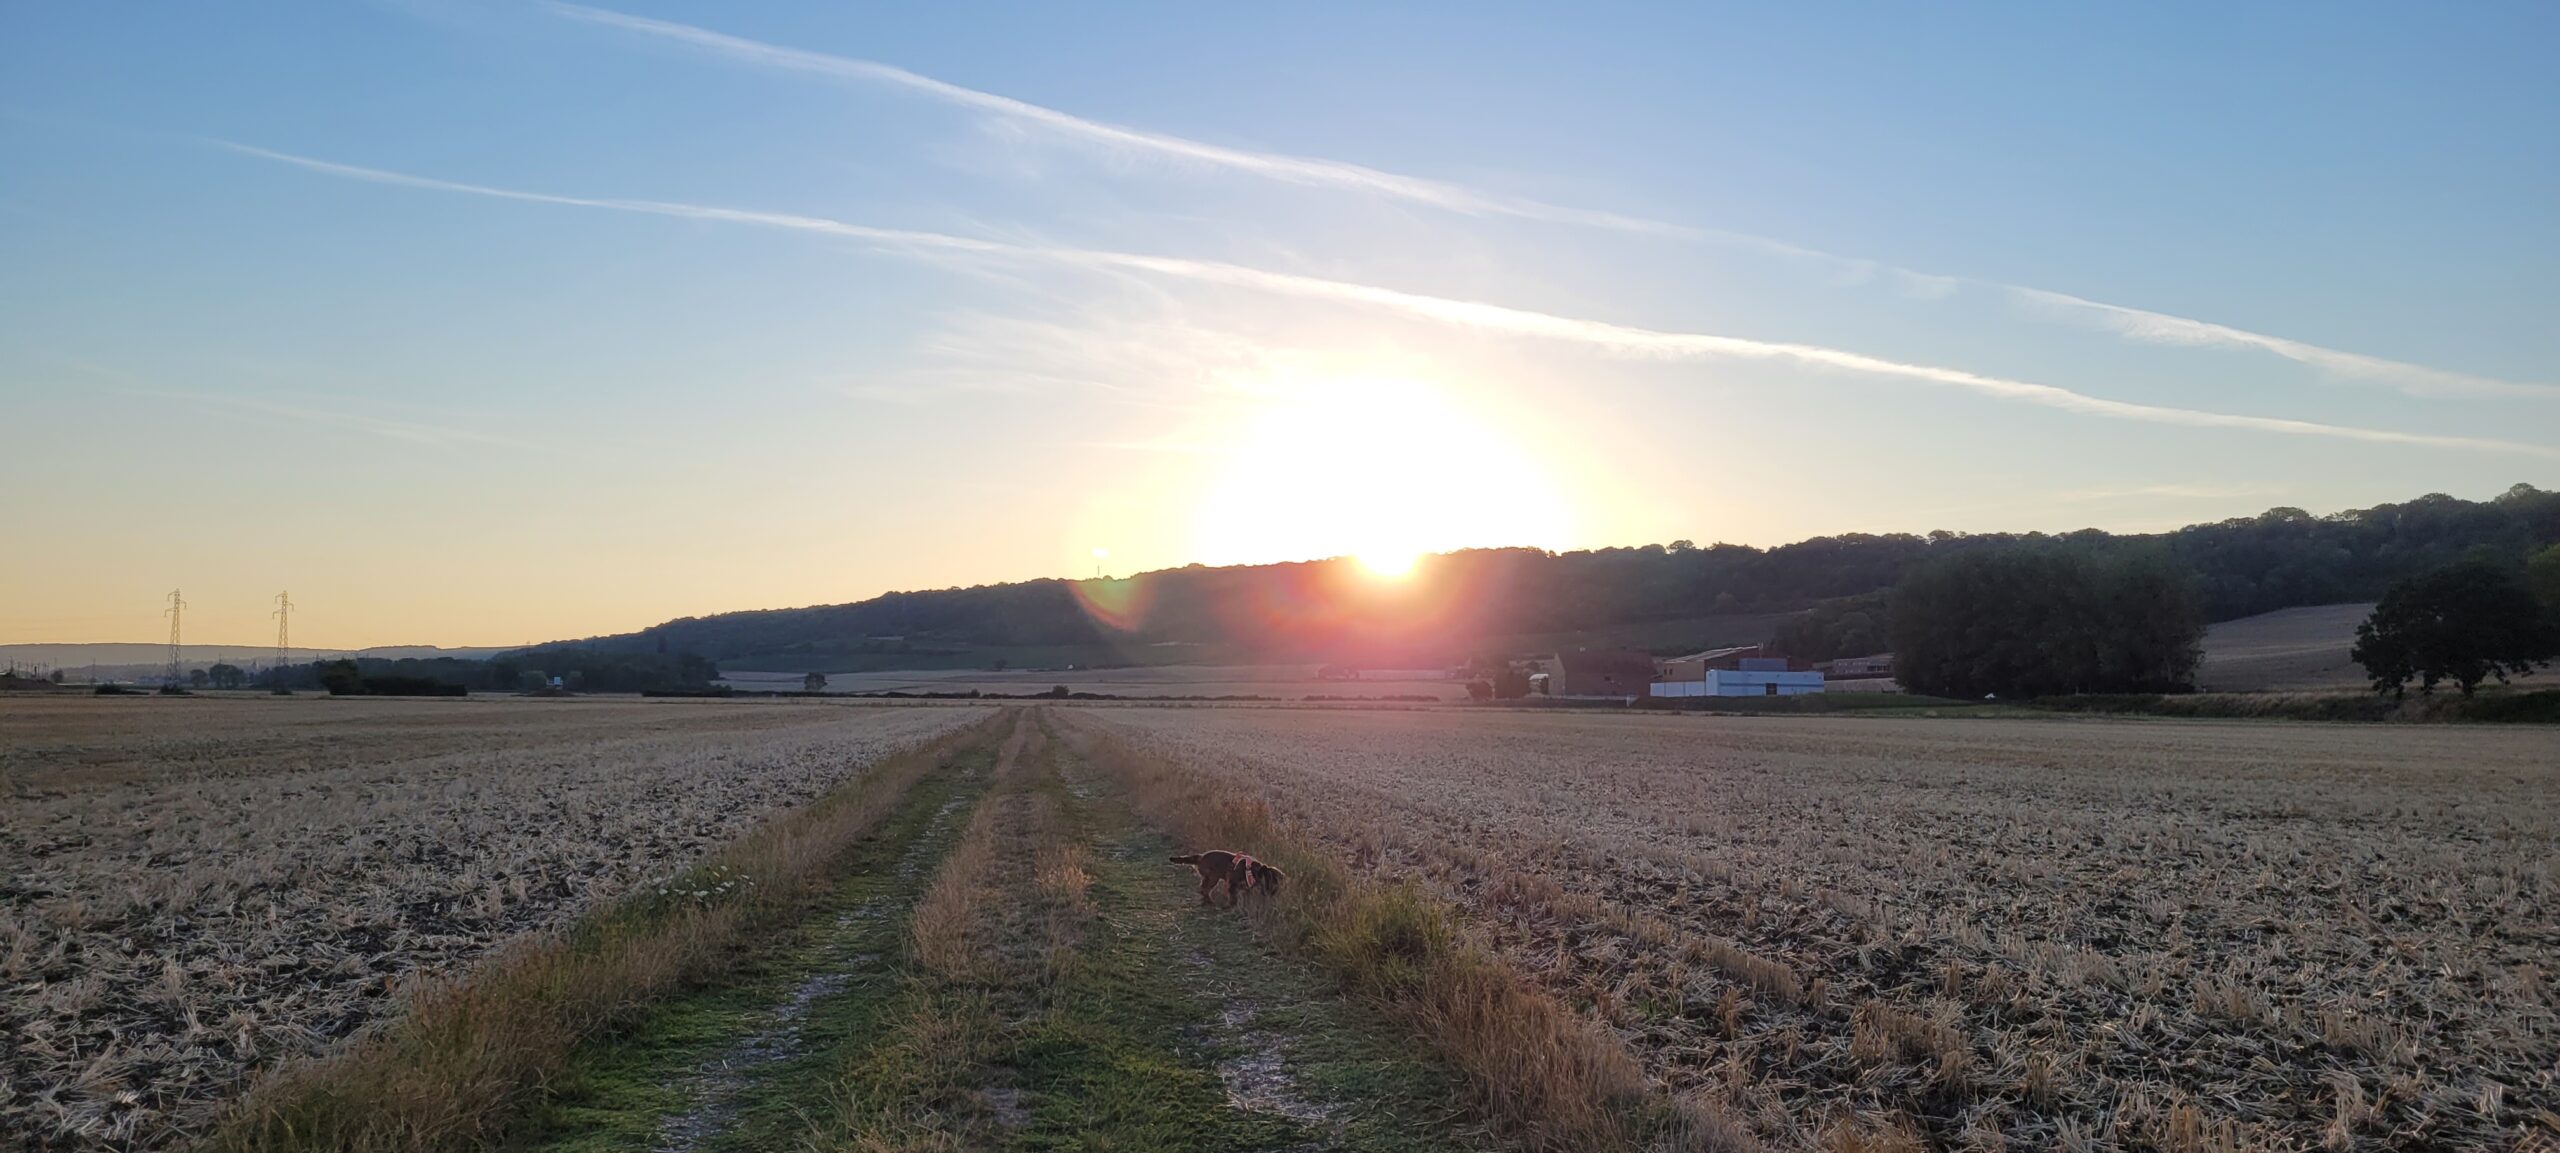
(484, 323)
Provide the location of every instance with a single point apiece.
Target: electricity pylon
(177, 656)
(283, 613)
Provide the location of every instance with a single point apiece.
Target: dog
(1239, 872)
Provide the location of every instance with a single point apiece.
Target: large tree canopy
(2464, 623)
(2037, 622)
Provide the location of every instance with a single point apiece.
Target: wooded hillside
(1478, 600)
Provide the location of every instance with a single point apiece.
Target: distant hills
(1482, 601)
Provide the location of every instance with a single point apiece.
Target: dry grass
(993, 937)
(1551, 1077)
(1887, 934)
(952, 924)
(204, 888)
(456, 1068)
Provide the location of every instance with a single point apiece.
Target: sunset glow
(1378, 468)
(1389, 565)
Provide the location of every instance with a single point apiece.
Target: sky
(482, 323)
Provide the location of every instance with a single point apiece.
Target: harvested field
(2288, 650)
(1278, 682)
(199, 888)
(1868, 933)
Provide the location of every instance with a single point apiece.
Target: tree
(1479, 690)
(198, 678)
(2465, 622)
(2542, 575)
(341, 677)
(1847, 627)
(227, 676)
(55, 676)
(1510, 685)
(814, 683)
(2037, 622)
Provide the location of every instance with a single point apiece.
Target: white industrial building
(1758, 677)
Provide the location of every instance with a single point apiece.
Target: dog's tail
(1193, 859)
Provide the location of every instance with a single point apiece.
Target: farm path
(732, 1060)
(1011, 963)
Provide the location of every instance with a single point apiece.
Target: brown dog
(1237, 871)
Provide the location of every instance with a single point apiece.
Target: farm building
(1756, 677)
(1694, 666)
(1879, 665)
(1608, 673)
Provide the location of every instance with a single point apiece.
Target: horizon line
(1345, 558)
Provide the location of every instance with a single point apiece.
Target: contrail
(2161, 328)
(1291, 169)
(2131, 323)
(1615, 339)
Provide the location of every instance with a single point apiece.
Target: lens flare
(1118, 603)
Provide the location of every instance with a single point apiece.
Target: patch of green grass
(620, 1090)
(1165, 981)
(1549, 1077)
(1123, 1047)
(1120, 1060)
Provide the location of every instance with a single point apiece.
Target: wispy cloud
(1291, 169)
(1614, 339)
(2162, 328)
(2132, 323)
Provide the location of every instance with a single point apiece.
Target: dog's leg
(1208, 881)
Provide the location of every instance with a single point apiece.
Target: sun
(1380, 469)
(1390, 564)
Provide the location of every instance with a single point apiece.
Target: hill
(1662, 597)
(2288, 650)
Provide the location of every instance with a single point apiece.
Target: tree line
(1458, 603)
(578, 669)
(2059, 621)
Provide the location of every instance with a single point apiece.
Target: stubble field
(1883, 934)
(1805, 932)
(196, 889)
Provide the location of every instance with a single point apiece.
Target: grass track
(729, 1066)
(1178, 1028)
(1094, 1006)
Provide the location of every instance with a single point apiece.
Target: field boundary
(462, 1065)
(1534, 1066)
(2494, 705)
